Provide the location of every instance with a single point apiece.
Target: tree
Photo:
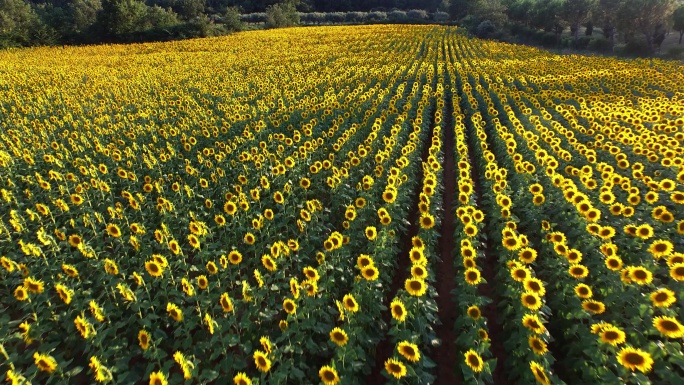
(644, 16)
(121, 18)
(577, 12)
(231, 19)
(606, 16)
(190, 9)
(282, 15)
(16, 21)
(678, 21)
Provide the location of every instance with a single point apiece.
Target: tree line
(641, 23)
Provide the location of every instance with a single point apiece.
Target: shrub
(599, 43)
(355, 17)
(485, 29)
(376, 16)
(257, 17)
(335, 17)
(582, 42)
(675, 53)
(440, 16)
(231, 20)
(397, 16)
(549, 39)
(417, 14)
(281, 15)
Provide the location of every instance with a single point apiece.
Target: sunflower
(45, 362)
(33, 285)
(661, 248)
(474, 312)
(511, 243)
(241, 379)
(398, 310)
(289, 306)
(230, 208)
(527, 255)
(416, 254)
(532, 322)
(211, 267)
(427, 221)
(531, 300)
(235, 257)
(472, 276)
(174, 312)
(470, 230)
(534, 285)
(269, 263)
(611, 335)
(113, 230)
(640, 275)
(484, 336)
(370, 273)
(20, 293)
(339, 337)
(75, 240)
(350, 303)
(663, 297)
(328, 375)
(537, 345)
(409, 351)
(578, 271)
(153, 268)
(669, 326)
(677, 271)
(202, 282)
(395, 368)
(174, 247)
(390, 195)
(415, 287)
(583, 291)
(635, 359)
(473, 360)
(419, 272)
(64, 293)
(371, 233)
(520, 273)
(144, 339)
(469, 263)
(596, 307)
(539, 373)
(261, 361)
(311, 273)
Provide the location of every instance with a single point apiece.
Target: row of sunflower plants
(523, 293)
(473, 333)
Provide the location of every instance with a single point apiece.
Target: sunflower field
(352, 205)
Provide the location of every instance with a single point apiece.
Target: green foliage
(282, 15)
(121, 17)
(16, 22)
(678, 21)
(231, 19)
